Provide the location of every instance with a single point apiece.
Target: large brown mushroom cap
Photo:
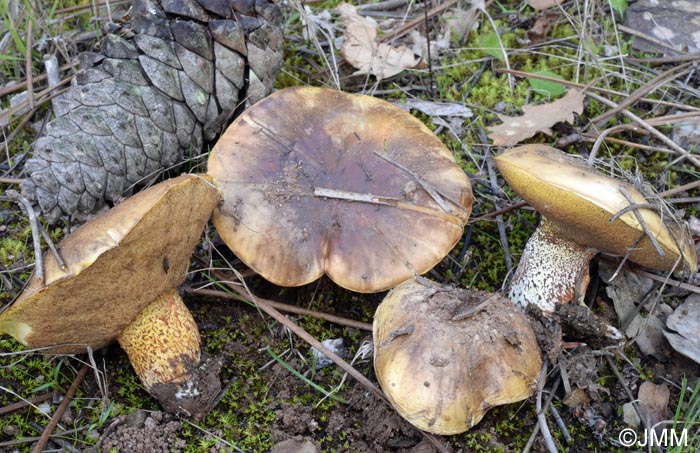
(117, 264)
(445, 356)
(579, 202)
(317, 180)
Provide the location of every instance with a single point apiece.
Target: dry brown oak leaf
(537, 118)
(363, 51)
(162, 84)
(653, 402)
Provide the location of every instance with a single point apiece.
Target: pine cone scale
(185, 8)
(160, 87)
(159, 49)
(194, 37)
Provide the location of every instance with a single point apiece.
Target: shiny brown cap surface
(319, 181)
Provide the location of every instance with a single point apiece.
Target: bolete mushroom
(444, 356)
(121, 271)
(319, 181)
(583, 213)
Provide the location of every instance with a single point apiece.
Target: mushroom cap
(579, 202)
(444, 356)
(117, 264)
(288, 166)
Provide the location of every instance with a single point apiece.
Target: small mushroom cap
(319, 181)
(445, 356)
(117, 264)
(579, 202)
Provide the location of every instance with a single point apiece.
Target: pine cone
(158, 89)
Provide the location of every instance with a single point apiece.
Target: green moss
(26, 376)
(16, 244)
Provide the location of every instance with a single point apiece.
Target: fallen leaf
(577, 397)
(490, 44)
(454, 124)
(685, 325)
(653, 402)
(537, 118)
(630, 415)
(542, 26)
(458, 22)
(314, 22)
(648, 334)
(627, 290)
(361, 49)
(455, 25)
(547, 87)
(419, 46)
(436, 108)
(543, 4)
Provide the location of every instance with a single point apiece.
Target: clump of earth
(141, 431)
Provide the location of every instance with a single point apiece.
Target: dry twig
(28, 65)
(26, 206)
(291, 309)
(661, 79)
(22, 403)
(22, 84)
(541, 425)
(499, 220)
(684, 153)
(61, 409)
(498, 212)
(641, 220)
(541, 418)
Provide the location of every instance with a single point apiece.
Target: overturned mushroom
(319, 181)
(118, 284)
(583, 213)
(444, 356)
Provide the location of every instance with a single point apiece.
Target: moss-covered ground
(264, 402)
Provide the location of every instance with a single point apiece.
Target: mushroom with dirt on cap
(119, 283)
(444, 356)
(583, 213)
(319, 181)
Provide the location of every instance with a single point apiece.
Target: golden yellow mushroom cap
(445, 356)
(579, 202)
(293, 169)
(117, 264)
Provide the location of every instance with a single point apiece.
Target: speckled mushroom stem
(552, 270)
(163, 345)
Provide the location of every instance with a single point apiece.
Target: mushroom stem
(163, 345)
(552, 270)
